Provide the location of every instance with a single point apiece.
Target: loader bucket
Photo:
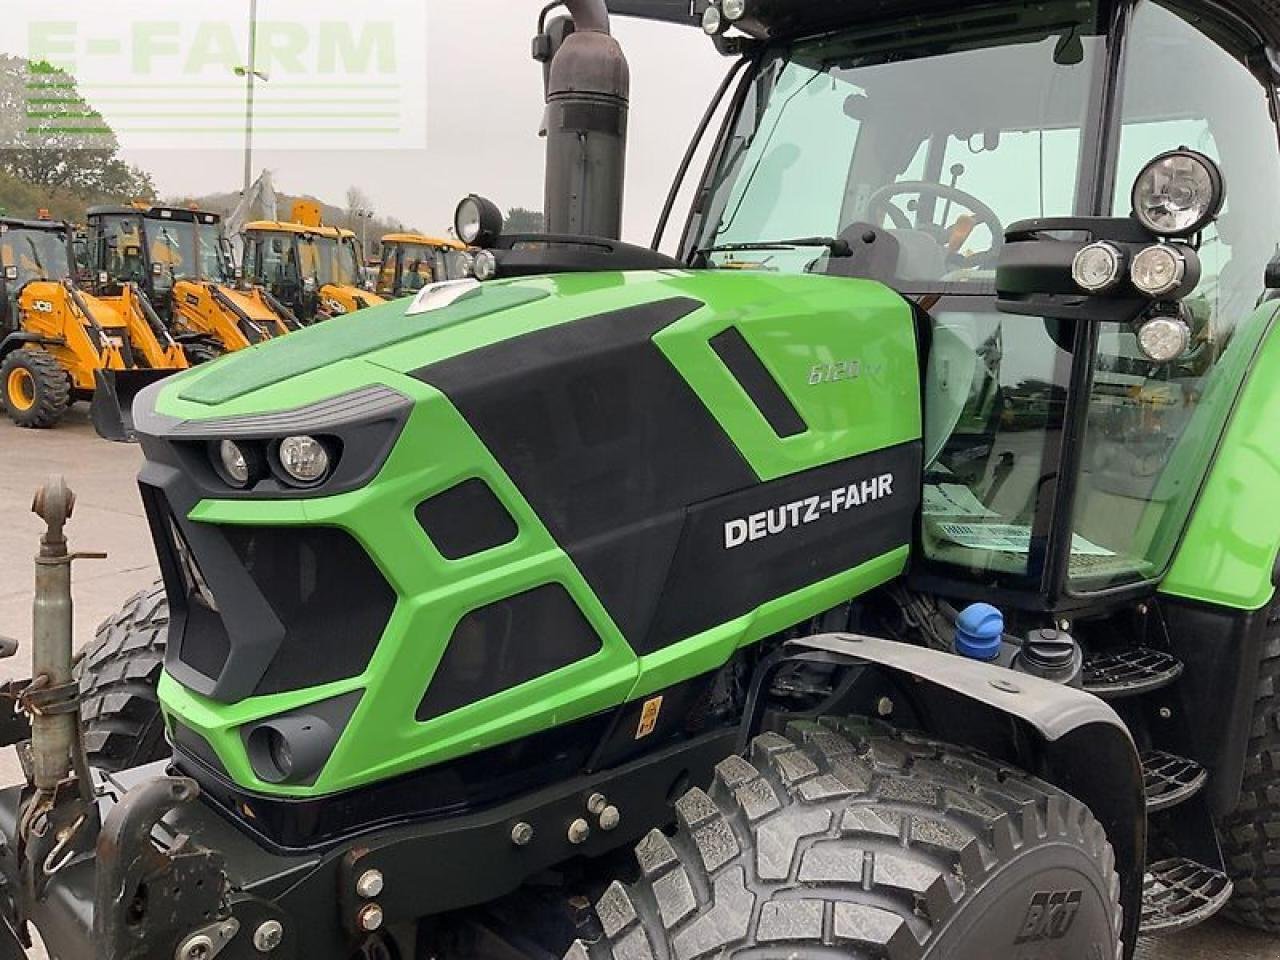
(113, 394)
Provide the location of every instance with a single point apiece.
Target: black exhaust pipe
(588, 91)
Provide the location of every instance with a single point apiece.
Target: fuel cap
(1049, 650)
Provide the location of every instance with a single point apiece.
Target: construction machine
(59, 343)
(313, 269)
(410, 261)
(891, 568)
(181, 259)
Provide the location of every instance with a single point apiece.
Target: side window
(387, 272)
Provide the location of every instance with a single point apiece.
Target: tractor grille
(261, 610)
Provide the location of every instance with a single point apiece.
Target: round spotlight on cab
(733, 10)
(1163, 337)
(713, 22)
(485, 265)
(1160, 272)
(303, 460)
(1178, 194)
(477, 221)
(1098, 267)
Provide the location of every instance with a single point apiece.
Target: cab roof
(154, 213)
(284, 226)
(51, 226)
(424, 239)
(777, 19)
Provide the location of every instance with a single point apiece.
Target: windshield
(942, 149)
(329, 260)
(186, 250)
(35, 255)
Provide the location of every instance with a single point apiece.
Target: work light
(1159, 271)
(1163, 337)
(239, 465)
(303, 459)
(485, 266)
(1178, 193)
(1097, 267)
(733, 9)
(477, 221)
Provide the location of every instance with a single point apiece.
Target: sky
(483, 98)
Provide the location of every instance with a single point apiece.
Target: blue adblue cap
(979, 629)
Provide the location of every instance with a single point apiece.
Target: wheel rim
(21, 389)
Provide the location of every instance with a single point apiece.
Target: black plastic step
(1170, 779)
(1129, 672)
(1180, 893)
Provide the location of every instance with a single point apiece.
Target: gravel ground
(109, 517)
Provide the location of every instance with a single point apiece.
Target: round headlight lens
(1159, 270)
(477, 221)
(1178, 194)
(1097, 267)
(711, 21)
(461, 265)
(304, 459)
(236, 468)
(485, 265)
(733, 9)
(1163, 338)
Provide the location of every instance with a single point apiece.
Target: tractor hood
(382, 344)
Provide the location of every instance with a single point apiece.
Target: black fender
(20, 337)
(1067, 737)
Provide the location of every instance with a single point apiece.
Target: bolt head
(1165, 713)
(369, 884)
(595, 803)
(579, 830)
(884, 707)
(522, 834)
(268, 936)
(370, 917)
(197, 948)
(610, 817)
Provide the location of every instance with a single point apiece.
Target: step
(1170, 779)
(1129, 671)
(1181, 893)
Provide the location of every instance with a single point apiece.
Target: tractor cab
(157, 248)
(410, 261)
(314, 270)
(30, 250)
(1068, 427)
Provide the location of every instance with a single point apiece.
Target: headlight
(1159, 271)
(733, 9)
(240, 465)
(1097, 267)
(303, 459)
(485, 265)
(477, 221)
(1178, 193)
(1164, 337)
(712, 21)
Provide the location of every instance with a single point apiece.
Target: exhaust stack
(588, 91)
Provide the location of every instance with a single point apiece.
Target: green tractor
(887, 574)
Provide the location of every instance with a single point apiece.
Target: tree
(52, 138)
(524, 220)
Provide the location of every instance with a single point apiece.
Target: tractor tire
(846, 839)
(1249, 833)
(36, 388)
(119, 672)
(199, 352)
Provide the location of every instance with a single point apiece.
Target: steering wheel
(879, 207)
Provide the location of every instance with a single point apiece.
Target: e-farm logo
(160, 74)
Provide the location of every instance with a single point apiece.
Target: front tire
(36, 388)
(1249, 833)
(847, 839)
(119, 674)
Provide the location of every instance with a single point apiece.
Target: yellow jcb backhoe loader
(59, 344)
(182, 261)
(312, 269)
(410, 261)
